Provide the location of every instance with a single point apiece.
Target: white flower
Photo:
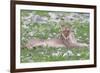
(50, 35)
(45, 18)
(49, 38)
(65, 54)
(78, 54)
(70, 53)
(23, 38)
(24, 26)
(41, 52)
(80, 37)
(54, 54)
(59, 49)
(54, 33)
(52, 15)
(42, 33)
(87, 38)
(85, 34)
(31, 33)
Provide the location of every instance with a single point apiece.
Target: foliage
(45, 25)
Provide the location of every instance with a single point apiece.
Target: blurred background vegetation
(45, 25)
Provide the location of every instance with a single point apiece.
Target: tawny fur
(67, 40)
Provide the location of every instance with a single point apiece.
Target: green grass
(45, 54)
(51, 30)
